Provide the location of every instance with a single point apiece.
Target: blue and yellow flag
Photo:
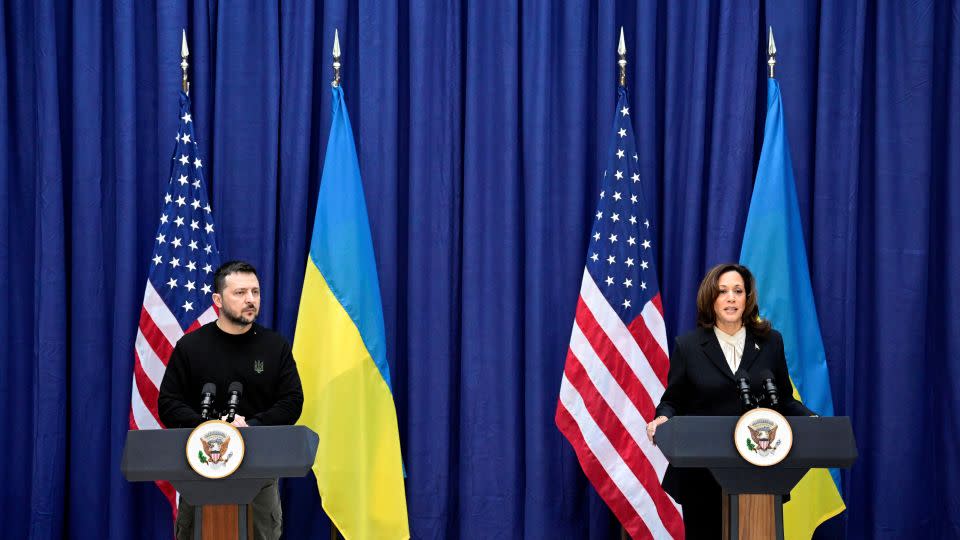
(340, 347)
(774, 250)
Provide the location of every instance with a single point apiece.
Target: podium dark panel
(270, 452)
(707, 442)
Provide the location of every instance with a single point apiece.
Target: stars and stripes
(177, 299)
(617, 363)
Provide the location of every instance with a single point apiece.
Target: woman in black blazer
(730, 338)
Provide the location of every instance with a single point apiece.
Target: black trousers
(703, 512)
(703, 520)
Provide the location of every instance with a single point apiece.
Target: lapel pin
(756, 346)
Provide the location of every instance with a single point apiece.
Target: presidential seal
(763, 437)
(215, 449)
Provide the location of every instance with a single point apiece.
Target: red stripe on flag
(148, 392)
(656, 356)
(614, 361)
(598, 476)
(623, 442)
(155, 337)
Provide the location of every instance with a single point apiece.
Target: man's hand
(238, 421)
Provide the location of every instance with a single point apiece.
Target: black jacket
(259, 359)
(700, 383)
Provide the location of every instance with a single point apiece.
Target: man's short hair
(230, 267)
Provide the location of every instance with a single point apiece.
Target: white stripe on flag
(149, 361)
(207, 316)
(161, 315)
(616, 398)
(610, 460)
(621, 337)
(141, 414)
(654, 321)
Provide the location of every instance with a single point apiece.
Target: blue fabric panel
(479, 128)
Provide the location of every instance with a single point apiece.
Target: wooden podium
(752, 495)
(222, 511)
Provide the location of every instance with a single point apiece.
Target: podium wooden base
(752, 517)
(223, 522)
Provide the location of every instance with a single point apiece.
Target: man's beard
(238, 318)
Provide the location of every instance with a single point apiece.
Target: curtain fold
(478, 127)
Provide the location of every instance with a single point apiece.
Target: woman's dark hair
(227, 268)
(710, 291)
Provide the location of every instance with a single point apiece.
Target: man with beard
(234, 348)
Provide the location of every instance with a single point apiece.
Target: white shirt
(732, 346)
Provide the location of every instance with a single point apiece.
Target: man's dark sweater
(259, 359)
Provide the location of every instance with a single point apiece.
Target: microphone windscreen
(235, 387)
(765, 374)
(209, 388)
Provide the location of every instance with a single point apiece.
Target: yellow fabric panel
(814, 500)
(346, 401)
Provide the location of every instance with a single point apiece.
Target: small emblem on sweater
(258, 366)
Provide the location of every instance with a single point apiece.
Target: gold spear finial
(622, 62)
(184, 53)
(771, 52)
(336, 58)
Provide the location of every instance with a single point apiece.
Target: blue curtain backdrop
(478, 125)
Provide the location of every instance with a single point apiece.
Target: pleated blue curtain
(479, 126)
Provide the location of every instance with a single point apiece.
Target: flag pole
(622, 61)
(336, 58)
(334, 531)
(771, 53)
(184, 53)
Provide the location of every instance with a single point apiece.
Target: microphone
(234, 392)
(207, 395)
(743, 388)
(769, 387)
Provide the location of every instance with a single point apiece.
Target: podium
(221, 505)
(753, 495)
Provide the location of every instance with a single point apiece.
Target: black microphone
(769, 387)
(207, 396)
(234, 391)
(743, 388)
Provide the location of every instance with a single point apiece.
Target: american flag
(177, 299)
(617, 363)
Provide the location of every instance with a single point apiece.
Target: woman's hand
(652, 426)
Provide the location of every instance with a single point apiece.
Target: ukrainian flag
(774, 250)
(340, 347)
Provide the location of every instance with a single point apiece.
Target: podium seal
(215, 449)
(763, 437)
